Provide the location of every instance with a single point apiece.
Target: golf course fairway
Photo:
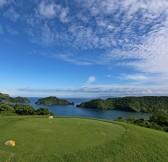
(68, 139)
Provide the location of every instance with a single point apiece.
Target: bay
(72, 110)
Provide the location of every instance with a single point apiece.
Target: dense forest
(132, 104)
(22, 109)
(52, 100)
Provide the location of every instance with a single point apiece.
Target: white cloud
(11, 30)
(146, 52)
(108, 76)
(51, 10)
(151, 56)
(47, 10)
(12, 14)
(47, 35)
(91, 79)
(3, 2)
(64, 15)
(130, 33)
(93, 91)
(8, 30)
(125, 90)
(137, 77)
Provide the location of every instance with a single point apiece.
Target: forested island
(146, 104)
(52, 100)
(8, 99)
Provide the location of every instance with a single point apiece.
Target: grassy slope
(75, 139)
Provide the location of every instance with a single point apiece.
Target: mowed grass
(75, 139)
(58, 136)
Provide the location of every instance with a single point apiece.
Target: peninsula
(146, 104)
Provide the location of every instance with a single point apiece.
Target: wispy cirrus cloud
(131, 34)
(50, 9)
(8, 29)
(47, 10)
(136, 77)
(3, 2)
(11, 31)
(12, 14)
(128, 33)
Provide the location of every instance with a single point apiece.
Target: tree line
(158, 120)
(22, 109)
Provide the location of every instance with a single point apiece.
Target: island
(147, 104)
(52, 100)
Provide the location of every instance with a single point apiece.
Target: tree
(6, 107)
(22, 109)
(160, 117)
(43, 111)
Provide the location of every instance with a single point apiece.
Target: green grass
(75, 139)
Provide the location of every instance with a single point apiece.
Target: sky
(84, 48)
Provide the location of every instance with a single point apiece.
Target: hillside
(75, 139)
(7, 98)
(133, 104)
(52, 100)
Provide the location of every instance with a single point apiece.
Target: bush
(6, 108)
(160, 117)
(24, 109)
(43, 111)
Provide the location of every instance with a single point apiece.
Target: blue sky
(84, 48)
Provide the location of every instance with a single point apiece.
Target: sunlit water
(72, 110)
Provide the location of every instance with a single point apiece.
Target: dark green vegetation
(158, 120)
(79, 140)
(7, 98)
(21, 100)
(22, 109)
(53, 101)
(133, 104)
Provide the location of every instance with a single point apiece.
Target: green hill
(76, 139)
(133, 104)
(7, 98)
(52, 100)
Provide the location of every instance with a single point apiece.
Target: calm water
(72, 110)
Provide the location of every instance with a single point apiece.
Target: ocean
(72, 110)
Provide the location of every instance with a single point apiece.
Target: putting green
(39, 135)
